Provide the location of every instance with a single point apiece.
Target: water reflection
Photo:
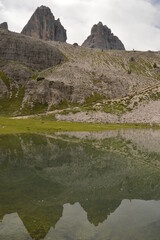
(133, 219)
(73, 186)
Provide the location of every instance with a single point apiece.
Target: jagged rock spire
(102, 37)
(43, 25)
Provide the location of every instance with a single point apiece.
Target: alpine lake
(80, 186)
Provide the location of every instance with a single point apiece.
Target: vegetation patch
(155, 65)
(12, 106)
(36, 109)
(31, 125)
(94, 98)
(5, 79)
(129, 71)
(115, 107)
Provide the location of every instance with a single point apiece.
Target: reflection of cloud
(13, 228)
(132, 218)
(73, 225)
(133, 21)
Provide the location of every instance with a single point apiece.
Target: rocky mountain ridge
(42, 25)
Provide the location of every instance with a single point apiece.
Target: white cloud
(135, 22)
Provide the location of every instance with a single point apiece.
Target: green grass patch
(115, 107)
(5, 79)
(95, 97)
(36, 109)
(12, 106)
(16, 126)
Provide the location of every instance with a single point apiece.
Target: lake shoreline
(46, 125)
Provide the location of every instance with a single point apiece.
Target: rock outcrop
(102, 37)
(4, 25)
(46, 92)
(28, 51)
(3, 89)
(43, 25)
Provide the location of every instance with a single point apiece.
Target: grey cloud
(135, 22)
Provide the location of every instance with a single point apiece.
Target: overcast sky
(135, 22)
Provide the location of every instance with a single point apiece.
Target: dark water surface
(88, 186)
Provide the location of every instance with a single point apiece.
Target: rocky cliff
(4, 25)
(31, 52)
(43, 25)
(102, 37)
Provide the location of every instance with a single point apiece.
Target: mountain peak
(102, 37)
(43, 7)
(43, 25)
(100, 23)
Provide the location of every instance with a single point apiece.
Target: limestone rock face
(3, 89)
(4, 25)
(101, 37)
(43, 25)
(28, 51)
(47, 92)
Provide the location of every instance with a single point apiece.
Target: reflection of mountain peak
(74, 217)
(39, 175)
(39, 221)
(134, 219)
(99, 210)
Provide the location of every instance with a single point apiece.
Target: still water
(80, 186)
